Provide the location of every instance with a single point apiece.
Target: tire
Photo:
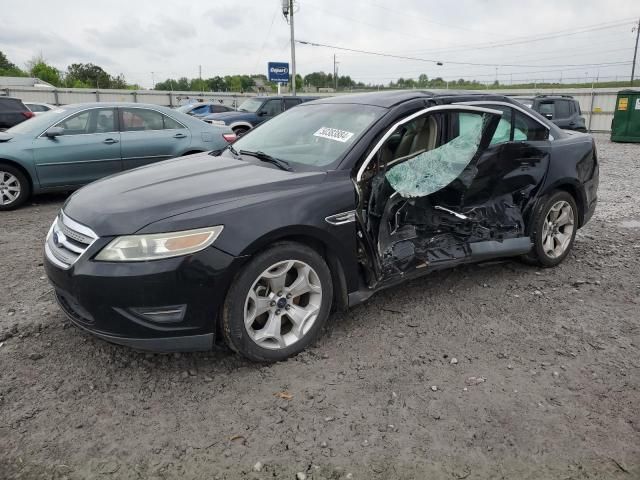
(543, 239)
(13, 181)
(270, 334)
(239, 131)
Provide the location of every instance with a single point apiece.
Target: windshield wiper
(215, 153)
(281, 164)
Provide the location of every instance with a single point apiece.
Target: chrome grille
(67, 240)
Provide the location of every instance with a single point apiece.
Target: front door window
(430, 169)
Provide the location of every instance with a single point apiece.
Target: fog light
(165, 314)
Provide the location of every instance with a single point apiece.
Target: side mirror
(549, 116)
(54, 132)
(262, 113)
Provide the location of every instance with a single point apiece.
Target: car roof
(276, 97)
(111, 105)
(12, 99)
(391, 98)
(555, 97)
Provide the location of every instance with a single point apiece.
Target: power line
(460, 74)
(441, 62)
(531, 39)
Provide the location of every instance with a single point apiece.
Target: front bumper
(118, 302)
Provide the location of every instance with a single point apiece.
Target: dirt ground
(489, 371)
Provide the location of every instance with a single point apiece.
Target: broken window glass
(433, 170)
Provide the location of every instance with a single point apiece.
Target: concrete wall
(597, 105)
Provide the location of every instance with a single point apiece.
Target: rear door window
(546, 108)
(140, 119)
(291, 102)
(272, 108)
(503, 131)
(170, 123)
(527, 129)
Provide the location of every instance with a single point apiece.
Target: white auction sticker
(334, 134)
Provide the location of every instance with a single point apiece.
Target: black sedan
(316, 210)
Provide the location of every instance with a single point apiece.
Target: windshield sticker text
(334, 134)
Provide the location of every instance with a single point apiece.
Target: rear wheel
(555, 224)
(14, 187)
(278, 304)
(239, 131)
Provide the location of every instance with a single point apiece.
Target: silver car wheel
(282, 304)
(9, 188)
(557, 230)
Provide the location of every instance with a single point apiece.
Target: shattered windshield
(434, 169)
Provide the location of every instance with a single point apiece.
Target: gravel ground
(498, 370)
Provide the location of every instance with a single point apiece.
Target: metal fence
(597, 104)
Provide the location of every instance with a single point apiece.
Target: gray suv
(563, 110)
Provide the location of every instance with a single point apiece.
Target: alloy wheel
(557, 230)
(9, 188)
(282, 304)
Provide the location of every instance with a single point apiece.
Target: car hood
(10, 141)
(123, 204)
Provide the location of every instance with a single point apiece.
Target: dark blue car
(254, 111)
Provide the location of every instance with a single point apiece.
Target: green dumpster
(625, 126)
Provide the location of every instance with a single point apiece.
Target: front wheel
(278, 304)
(14, 187)
(555, 224)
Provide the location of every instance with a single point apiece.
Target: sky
(147, 41)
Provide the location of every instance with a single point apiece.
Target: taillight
(29, 114)
(229, 137)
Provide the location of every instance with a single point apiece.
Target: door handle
(179, 135)
(110, 141)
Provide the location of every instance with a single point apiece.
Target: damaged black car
(316, 210)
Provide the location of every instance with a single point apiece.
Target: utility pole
(287, 12)
(153, 81)
(293, 50)
(335, 72)
(200, 75)
(635, 52)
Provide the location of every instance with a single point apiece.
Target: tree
(87, 75)
(8, 68)
(46, 73)
(118, 82)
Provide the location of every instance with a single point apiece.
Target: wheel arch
(235, 125)
(573, 189)
(20, 167)
(319, 241)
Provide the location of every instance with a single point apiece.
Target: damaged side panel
(452, 199)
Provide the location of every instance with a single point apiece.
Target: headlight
(138, 248)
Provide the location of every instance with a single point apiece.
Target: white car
(38, 108)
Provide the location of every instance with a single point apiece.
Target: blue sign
(278, 72)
